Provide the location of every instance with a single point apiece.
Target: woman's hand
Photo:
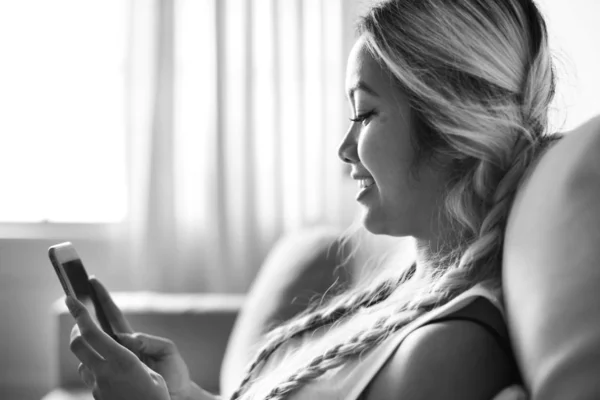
(112, 371)
(159, 354)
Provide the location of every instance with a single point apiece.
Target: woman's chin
(373, 222)
(378, 224)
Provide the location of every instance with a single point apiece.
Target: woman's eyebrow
(361, 85)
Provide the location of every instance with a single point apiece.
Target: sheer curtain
(236, 110)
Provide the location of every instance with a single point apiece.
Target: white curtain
(235, 114)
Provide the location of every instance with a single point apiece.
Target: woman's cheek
(367, 147)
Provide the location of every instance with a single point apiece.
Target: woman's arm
(552, 271)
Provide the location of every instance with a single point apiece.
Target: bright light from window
(62, 96)
(574, 34)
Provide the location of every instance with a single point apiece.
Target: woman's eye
(362, 118)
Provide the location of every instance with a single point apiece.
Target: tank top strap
(483, 313)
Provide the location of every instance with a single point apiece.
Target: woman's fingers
(93, 339)
(113, 313)
(83, 351)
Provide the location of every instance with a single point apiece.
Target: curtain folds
(236, 109)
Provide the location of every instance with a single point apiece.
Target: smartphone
(75, 282)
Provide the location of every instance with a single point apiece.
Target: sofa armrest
(199, 324)
(302, 266)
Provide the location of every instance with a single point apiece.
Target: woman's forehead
(365, 73)
(361, 65)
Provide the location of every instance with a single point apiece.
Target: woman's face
(379, 149)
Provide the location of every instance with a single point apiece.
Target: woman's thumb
(142, 343)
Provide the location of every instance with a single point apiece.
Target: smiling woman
(450, 108)
(450, 104)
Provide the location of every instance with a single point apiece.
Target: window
(574, 33)
(63, 105)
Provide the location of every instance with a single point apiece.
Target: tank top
(349, 381)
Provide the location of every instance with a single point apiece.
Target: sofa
(214, 332)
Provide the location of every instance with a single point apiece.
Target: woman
(450, 102)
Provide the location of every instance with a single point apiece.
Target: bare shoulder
(446, 360)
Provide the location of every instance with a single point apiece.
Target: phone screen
(80, 283)
(85, 293)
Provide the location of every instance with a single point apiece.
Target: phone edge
(60, 272)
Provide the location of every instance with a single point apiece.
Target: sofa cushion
(301, 266)
(550, 269)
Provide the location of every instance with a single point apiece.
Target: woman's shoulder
(463, 351)
(443, 360)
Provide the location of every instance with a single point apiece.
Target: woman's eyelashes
(363, 118)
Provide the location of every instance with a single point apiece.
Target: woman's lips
(365, 190)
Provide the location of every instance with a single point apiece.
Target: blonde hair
(479, 78)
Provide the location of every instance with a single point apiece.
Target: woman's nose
(347, 152)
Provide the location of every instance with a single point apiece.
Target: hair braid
(359, 343)
(338, 354)
(314, 319)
